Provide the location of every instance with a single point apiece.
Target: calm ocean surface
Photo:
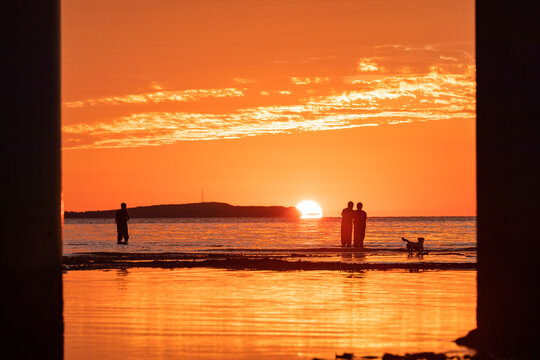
(447, 238)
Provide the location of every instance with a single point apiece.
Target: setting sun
(309, 209)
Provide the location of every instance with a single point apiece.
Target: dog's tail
(403, 239)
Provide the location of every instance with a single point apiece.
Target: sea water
(237, 234)
(229, 314)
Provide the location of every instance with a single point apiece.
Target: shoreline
(289, 262)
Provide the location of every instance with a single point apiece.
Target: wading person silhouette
(346, 224)
(360, 217)
(122, 218)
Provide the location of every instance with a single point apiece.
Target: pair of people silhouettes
(121, 219)
(350, 217)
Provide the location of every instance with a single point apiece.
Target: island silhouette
(193, 210)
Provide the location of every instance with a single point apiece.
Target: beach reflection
(220, 314)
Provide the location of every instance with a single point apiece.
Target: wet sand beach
(320, 259)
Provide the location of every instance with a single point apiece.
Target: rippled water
(238, 234)
(220, 314)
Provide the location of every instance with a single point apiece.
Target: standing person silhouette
(122, 218)
(346, 224)
(360, 218)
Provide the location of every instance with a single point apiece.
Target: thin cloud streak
(159, 97)
(308, 80)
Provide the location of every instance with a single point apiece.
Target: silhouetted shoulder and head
(360, 215)
(122, 214)
(348, 211)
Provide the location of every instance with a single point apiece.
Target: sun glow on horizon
(309, 209)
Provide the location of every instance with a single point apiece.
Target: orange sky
(270, 103)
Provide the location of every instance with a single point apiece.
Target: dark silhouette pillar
(508, 164)
(30, 265)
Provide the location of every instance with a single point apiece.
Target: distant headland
(194, 210)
